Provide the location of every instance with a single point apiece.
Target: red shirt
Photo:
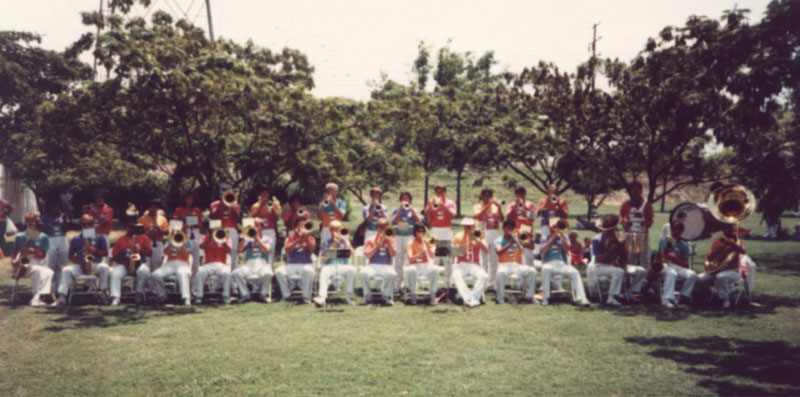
(177, 254)
(228, 215)
(440, 217)
(107, 213)
(290, 217)
(625, 213)
(267, 214)
(182, 212)
(519, 214)
(576, 253)
(468, 256)
(216, 252)
(123, 244)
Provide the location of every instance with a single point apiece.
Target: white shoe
(668, 305)
(187, 302)
(584, 303)
(319, 301)
(726, 304)
(61, 301)
(115, 302)
(473, 303)
(37, 301)
(613, 302)
(545, 301)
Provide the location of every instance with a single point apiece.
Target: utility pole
(210, 26)
(593, 49)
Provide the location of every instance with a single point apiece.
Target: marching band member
(440, 212)
(156, 227)
(675, 254)
(472, 250)
(7, 227)
(420, 256)
(551, 206)
(403, 218)
(54, 224)
(295, 212)
(268, 208)
(79, 248)
(509, 257)
(522, 212)
(605, 257)
(331, 208)
(257, 263)
(33, 245)
(102, 213)
(134, 242)
(379, 251)
(178, 258)
(191, 216)
(228, 212)
(374, 211)
(299, 246)
(637, 217)
(489, 214)
(217, 261)
(334, 265)
(725, 264)
(554, 261)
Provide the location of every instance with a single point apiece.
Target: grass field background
(287, 348)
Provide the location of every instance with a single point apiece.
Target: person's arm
(264, 247)
(549, 242)
(392, 247)
(484, 247)
(648, 215)
(499, 211)
(73, 250)
(502, 249)
(450, 206)
(604, 257)
(370, 248)
(291, 243)
(146, 246)
(624, 214)
(565, 208)
(396, 216)
(368, 213)
(241, 245)
(102, 247)
(339, 211)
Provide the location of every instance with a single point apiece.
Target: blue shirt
(77, 243)
(373, 224)
(681, 248)
(598, 245)
(405, 216)
(57, 228)
(555, 252)
(42, 242)
(334, 260)
(253, 251)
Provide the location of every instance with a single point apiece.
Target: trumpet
(406, 205)
(308, 225)
(435, 205)
(430, 240)
(86, 267)
(503, 203)
(301, 212)
(388, 232)
(220, 235)
(178, 238)
(326, 201)
(229, 198)
(344, 231)
(562, 225)
(269, 203)
(554, 199)
(250, 233)
(523, 238)
(478, 234)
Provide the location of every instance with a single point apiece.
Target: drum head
(693, 221)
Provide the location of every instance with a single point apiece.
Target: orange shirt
(160, 224)
(440, 217)
(491, 218)
(415, 248)
(512, 254)
(472, 255)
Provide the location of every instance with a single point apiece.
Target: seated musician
(608, 257)
(333, 265)
(217, 262)
(509, 258)
(178, 262)
(32, 245)
(725, 263)
(468, 264)
(299, 246)
(554, 261)
(268, 208)
(257, 263)
(379, 252)
(420, 262)
(675, 254)
(79, 248)
(133, 243)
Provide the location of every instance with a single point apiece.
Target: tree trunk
(458, 193)
(426, 190)
(589, 206)
(664, 197)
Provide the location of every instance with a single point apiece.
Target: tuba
(344, 231)
(729, 204)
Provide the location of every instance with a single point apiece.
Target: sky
(353, 42)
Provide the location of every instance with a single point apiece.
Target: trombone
(220, 235)
(388, 232)
(177, 238)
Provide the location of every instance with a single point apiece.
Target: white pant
(400, 259)
(723, 281)
(466, 270)
(69, 273)
(222, 271)
(385, 271)
(596, 270)
(291, 271)
(508, 269)
(637, 276)
(329, 271)
(444, 234)
(181, 270)
(57, 257)
(489, 259)
(118, 272)
(412, 273)
(672, 273)
(254, 268)
(234, 236)
(273, 241)
(41, 279)
(559, 267)
(155, 257)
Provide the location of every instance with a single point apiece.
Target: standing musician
(489, 214)
(509, 256)
(191, 216)
(379, 251)
(374, 211)
(228, 212)
(54, 224)
(299, 246)
(637, 217)
(218, 259)
(420, 261)
(334, 265)
(295, 212)
(7, 226)
(331, 208)
(554, 261)
(440, 212)
(403, 219)
(80, 247)
(473, 249)
(32, 245)
(257, 263)
(675, 254)
(102, 213)
(133, 243)
(178, 259)
(551, 206)
(268, 208)
(156, 227)
(609, 257)
(725, 264)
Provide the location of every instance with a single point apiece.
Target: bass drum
(693, 219)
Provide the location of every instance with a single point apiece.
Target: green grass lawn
(291, 349)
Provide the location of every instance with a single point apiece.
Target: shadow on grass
(732, 366)
(80, 317)
(788, 264)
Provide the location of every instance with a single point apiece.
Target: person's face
(520, 196)
(419, 234)
(552, 190)
(99, 199)
(406, 198)
(333, 191)
(87, 224)
(264, 195)
(336, 229)
(190, 200)
(31, 222)
(295, 203)
(636, 191)
(152, 209)
(376, 196)
(440, 192)
(486, 197)
(508, 229)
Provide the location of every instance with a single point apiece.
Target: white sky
(352, 42)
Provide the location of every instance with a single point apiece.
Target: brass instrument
(554, 199)
(301, 212)
(269, 203)
(220, 235)
(326, 202)
(308, 225)
(134, 262)
(177, 238)
(86, 267)
(478, 234)
(503, 203)
(729, 204)
(430, 240)
(344, 231)
(250, 233)
(388, 232)
(22, 267)
(230, 197)
(406, 205)
(524, 237)
(562, 225)
(435, 205)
